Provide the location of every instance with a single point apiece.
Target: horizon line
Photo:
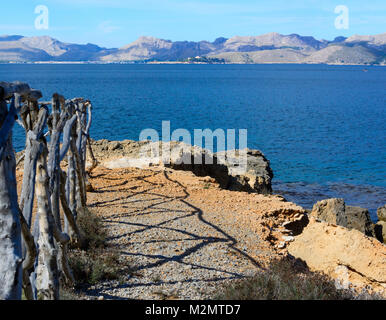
(147, 36)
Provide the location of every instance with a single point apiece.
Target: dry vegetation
(287, 279)
(96, 261)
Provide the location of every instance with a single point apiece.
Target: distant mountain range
(267, 48)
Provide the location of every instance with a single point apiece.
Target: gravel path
(181, 234)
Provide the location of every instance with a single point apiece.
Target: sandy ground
(182, 234)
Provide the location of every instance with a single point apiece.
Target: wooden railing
(33, 258)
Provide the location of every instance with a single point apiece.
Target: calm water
(322, 127)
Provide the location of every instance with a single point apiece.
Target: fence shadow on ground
(159, 204)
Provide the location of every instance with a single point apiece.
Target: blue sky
(114, 23)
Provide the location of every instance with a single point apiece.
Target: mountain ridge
(266, 48)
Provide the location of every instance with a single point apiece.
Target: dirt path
(181, 234)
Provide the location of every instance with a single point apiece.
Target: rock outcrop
(256, 177)
(380, 227)
(381, 212)
(380, 231)
(297, 224)
(331, 211)
(336, 212)
(350, 257)
(359, 219)
(197, 160)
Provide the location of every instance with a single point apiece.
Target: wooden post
(47, 274)
(29, 260)
(10, 228)
(32, 152)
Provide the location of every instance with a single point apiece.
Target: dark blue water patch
(307, 194)
(315, 123)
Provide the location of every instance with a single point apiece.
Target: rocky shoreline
(186, 228)
(334, 238)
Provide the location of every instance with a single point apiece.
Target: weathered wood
(35, 126)
(47, 274)
(9, 121)
(86, 134)
(34, 95)
(45, 253)
(32, 151)
(94, 160)
(80, 176)
(71, 177)
(21, 158)
(59, 118)
(29, 260)
(67, 137)
(64, 265)
(8, 89)
(58, 123)
(55, 114)
(72, 228)
(10, 229)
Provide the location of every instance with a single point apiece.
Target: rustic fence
(34, 241)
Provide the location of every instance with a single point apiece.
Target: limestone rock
(225, 167)
(381, 212)
(331, 211)
(359, 219)
(281, 245)
(336, 212)
(288, 238)
(114, 145)
(297, 225)
(197, 160)
(256, 178)
(380, 231)
(326, 248)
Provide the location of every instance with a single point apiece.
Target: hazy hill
(149, 48)
(26, 49)
(271, 41)
(263, 56)
(338, 53)
(267, 48)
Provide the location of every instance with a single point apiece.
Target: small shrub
(94, 261)
(285, 279)
(69, 294)
(91, 267)
(91, 227)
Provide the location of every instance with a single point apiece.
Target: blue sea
(322, 127)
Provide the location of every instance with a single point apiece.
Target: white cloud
(107, 27)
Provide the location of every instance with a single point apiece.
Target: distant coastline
(183, 63)
(270, 48)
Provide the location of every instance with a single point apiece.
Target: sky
(115, 23)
